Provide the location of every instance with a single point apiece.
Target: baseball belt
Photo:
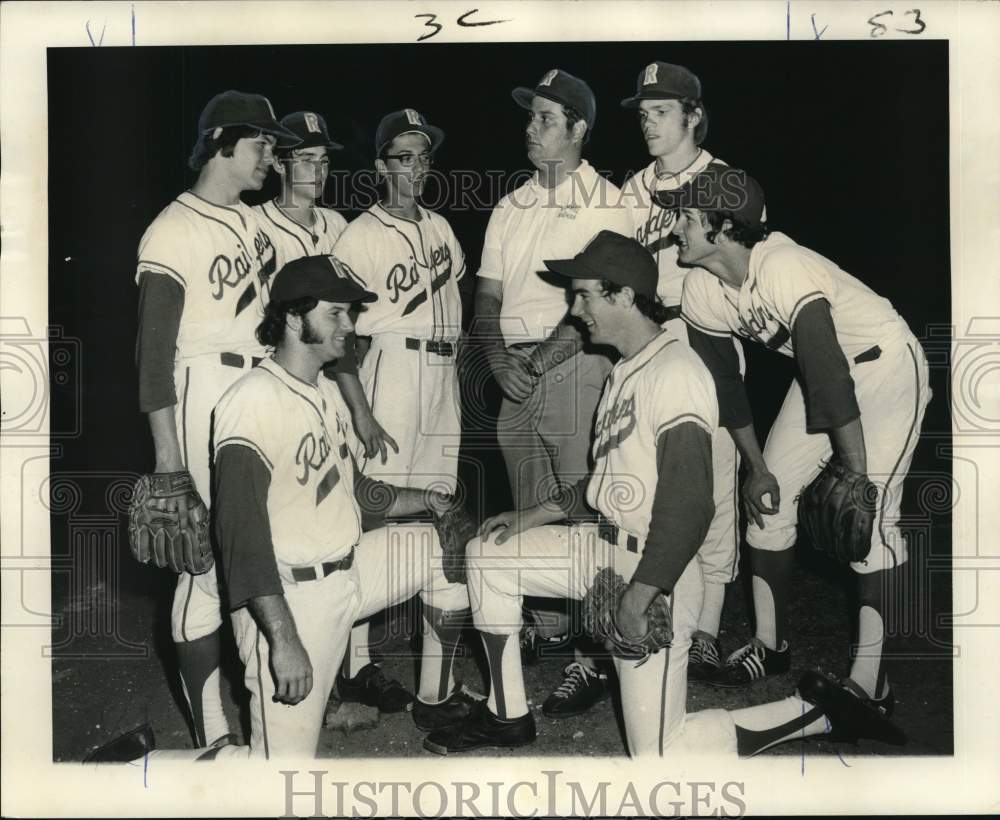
(431, 346)
(238, 360)
(611, 533)
(673, 312)
(869, 355)
(301, 574)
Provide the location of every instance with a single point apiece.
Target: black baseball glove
(837, 512)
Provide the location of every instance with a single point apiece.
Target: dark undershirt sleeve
(375, 498)
(348, 363)
(682, 505)
(826, 376)
(719, 356)
(242, 528)
(161, 302)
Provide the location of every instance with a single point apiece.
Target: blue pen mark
(788, 19)
(133, 24)
(145, 769)
(818, 34)
(91, 36)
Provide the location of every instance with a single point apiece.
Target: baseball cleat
(703, 659)
(449, 712)
(852, 715)
(581, 689)
(534, 646)
(372, 688)
(125, 748)
(751, 663)
(482, 728)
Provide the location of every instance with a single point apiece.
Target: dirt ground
(110, 674)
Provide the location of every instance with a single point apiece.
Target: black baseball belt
(609, 531)
(431, 346)
(327, 567)
(239, 360)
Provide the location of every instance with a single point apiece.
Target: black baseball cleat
(482, 728)
(703, 659)
(133, 745)
(580, 690)
(451, 711)
(372, 688)
(853, 716)
(752, 663)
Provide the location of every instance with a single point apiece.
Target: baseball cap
(239, 108)
(406, 121)
(561, 87)
(311, 129)
(619, 259)
(320, 277)
(719, 188)
(664, 81)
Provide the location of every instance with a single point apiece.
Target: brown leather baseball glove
(600, 606)
(169, 523)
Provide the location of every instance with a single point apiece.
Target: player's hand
(292, 671)
(761, 496)
(631, 618)
(512, 374)
(374, 437)
(512, 522)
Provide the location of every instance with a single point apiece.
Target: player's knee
(710, 731)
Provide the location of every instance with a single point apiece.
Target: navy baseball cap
(664, 81)
(320, 277)
(619, 259)
(561, 87)
(719, 188)
(311, 129)
(239, 108)
(407, 121)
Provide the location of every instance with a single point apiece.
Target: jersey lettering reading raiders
(292, 240)
(652, 225)
(661, 386)
(301, 432)
(783, 278)
(413, 267)
(223, 259)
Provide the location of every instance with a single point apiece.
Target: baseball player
(861, 398)
(298, 569)
(203, 272)
(407, 345)
(550, 383)
(652, 485)
(674, 123)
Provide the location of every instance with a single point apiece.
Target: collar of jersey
(654, 181)
(774, 240)
(291, 381)
(423, 214)
(648, 350)
(586, 172)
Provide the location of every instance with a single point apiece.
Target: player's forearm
(563, 343)
(274, 618)
(353, 393)
(746, 442)
(849, 444)
(168, 449)
(487, 321)
(639, 595)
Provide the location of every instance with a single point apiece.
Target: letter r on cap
(412, 116)
(650, 77)
(312, 123)
(549, 77)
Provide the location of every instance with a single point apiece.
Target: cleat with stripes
(752, 663)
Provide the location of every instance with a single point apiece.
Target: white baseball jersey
(292, 240)
(223, 258)
(659, 387)
(535, 223)
(652, 225)
(413, 267)
(301, 433)
(783, 278)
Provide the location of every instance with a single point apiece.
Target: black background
(849, 140)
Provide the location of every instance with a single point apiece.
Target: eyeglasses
(409, 160)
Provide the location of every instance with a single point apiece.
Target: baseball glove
(837, 512)
(455, 528)
(600, 606)
(176, 537)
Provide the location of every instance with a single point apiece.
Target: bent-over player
(652, 485)
(674, 122)
(860, 400)
(203, 271)
(287, 517)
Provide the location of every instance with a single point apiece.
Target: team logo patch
(413, 117)
(312, 123)
(650, 76)
(549, 77)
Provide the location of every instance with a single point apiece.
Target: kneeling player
(652, 484)
(297, 568)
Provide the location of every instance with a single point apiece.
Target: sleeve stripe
(239, 441)
(681, 419)
(723, 333)
(158, 267)
(809, 297)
